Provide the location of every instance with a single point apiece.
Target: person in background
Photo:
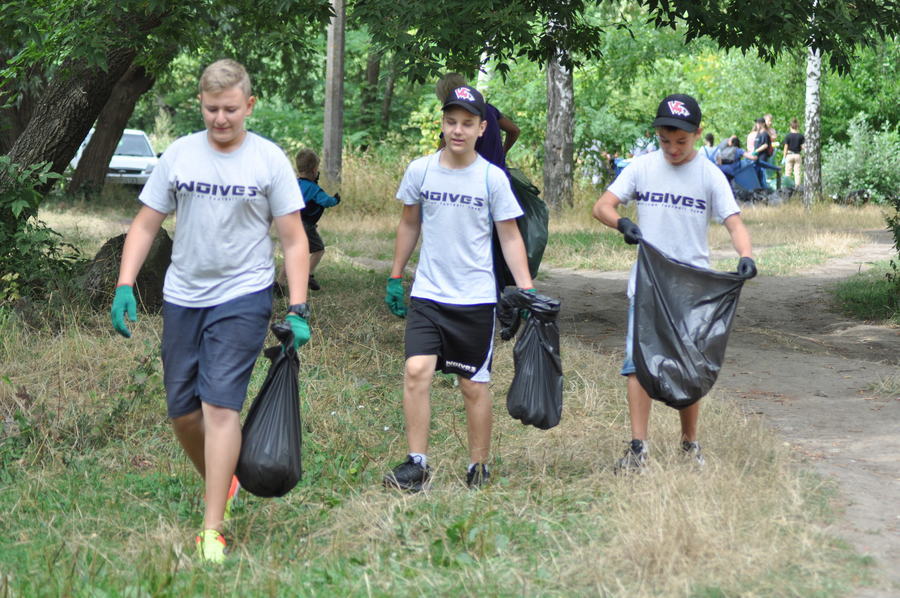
(710, 149)
(316, 201)
(793, 148)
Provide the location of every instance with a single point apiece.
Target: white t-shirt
(675, 204)
(459, 208)
(224, 205)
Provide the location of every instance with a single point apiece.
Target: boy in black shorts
(453, 198)
(316, 201)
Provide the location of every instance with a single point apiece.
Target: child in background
(316, 201)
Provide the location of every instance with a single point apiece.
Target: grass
(97, 498)
(870, 295)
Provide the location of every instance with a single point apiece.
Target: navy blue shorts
(462, 336)
(208, 353)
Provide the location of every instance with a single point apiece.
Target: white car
(133, 160)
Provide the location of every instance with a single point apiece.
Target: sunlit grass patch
(870, 295)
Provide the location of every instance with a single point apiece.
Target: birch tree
(559, 141)
(812, 148)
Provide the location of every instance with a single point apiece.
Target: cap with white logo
(680, 111)
(468, 98)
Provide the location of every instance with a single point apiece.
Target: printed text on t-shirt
(696, 204)
(456, 199)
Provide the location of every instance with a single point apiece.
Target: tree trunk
(559, 142)
(14, 117)
(90, 174)
(333, 141)
(812, 147)
(388, 96)
(369, 92)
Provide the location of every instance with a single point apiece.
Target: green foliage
(31, 254)
(869, 161)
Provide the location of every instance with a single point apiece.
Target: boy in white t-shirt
(453, 198)
(226, 185)
(677, 192)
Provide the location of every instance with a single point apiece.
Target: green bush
(867, 165)
(33, 258)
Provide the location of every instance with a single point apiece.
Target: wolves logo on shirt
(676, 107)
(463, 93)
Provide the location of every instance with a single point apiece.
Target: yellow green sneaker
(232, 496)
(211, 546)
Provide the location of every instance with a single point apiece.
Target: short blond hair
(224, 74)
(448, 83)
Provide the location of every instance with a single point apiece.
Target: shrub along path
(830, 386)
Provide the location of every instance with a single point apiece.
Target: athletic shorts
(628, 365)
(462, 336)
(208, 353)
(315, 240)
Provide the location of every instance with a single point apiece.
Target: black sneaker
(409, 476)
(693, 452)
(313, 283)
(634, 460)
(477, 476)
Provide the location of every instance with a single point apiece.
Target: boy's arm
(296, 255)
(407, 236)
(740, 236)
(605, 209)
(512, 132)
(137, 243)
(514, 252)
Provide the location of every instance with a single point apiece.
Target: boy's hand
(337, 198)
(123, 303)
(300, 328)
(629, 230)
(746, 267)
(394, 297)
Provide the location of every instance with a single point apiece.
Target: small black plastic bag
(535, 395)
(682, 319)
(269, 463)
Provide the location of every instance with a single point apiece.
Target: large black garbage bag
(682, 319)
(269, 463)
(535, 395)
(533, 225)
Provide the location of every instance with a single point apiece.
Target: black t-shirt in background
(793, 141)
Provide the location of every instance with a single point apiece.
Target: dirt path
(810, 371)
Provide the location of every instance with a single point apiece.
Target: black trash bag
(682, 319)
(535, 395)
(269, 463)
(533, 225)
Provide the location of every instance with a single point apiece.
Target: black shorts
(315, 241)
(462, 336)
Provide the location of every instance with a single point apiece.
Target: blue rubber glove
(123, 303)
(300, 328)
(395, 298)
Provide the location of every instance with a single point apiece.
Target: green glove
(123, 303)
(394, 297)
(524, 312)
(300, 328)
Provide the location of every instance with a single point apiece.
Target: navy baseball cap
(680, 111)
(468, 98)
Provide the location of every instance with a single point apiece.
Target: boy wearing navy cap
(453, 198)
(677, 192)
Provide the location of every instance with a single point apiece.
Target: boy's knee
(419, 369)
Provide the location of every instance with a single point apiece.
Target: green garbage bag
(533, 224)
